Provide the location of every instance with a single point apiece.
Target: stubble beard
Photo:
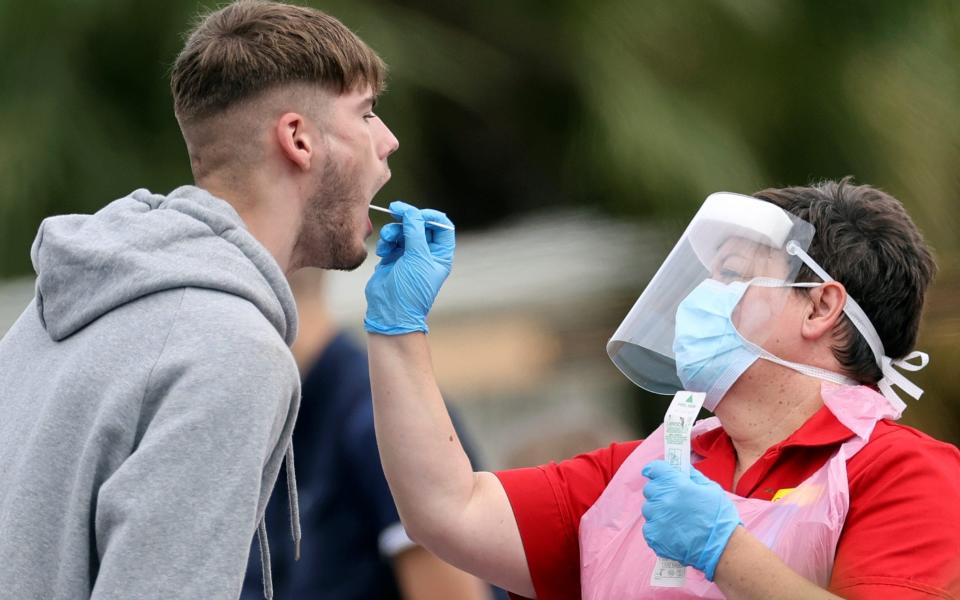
(328, 234)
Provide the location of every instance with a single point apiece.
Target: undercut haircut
(251, 46)
(865, 240)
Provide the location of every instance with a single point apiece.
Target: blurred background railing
(570, 140)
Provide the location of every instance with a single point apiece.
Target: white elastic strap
(862, 322)
(850, 308)
(817, 372)
(891, 377)
(905, 364)
(794, 249)
(807, 370)
(895, 401)
(770, 282)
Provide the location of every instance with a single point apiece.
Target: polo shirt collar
(719, 456)
(821, 429)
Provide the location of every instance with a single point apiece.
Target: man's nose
(388, 143)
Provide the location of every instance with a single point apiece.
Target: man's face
(356, 144)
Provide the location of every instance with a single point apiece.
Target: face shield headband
(891, 377)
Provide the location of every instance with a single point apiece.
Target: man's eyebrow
(370, 101)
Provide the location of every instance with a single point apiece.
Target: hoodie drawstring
(265, 559)
(294, 502)
(294, 526)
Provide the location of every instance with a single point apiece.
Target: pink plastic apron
(802, 528)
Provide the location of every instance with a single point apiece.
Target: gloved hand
(688, 519)
(415, 259)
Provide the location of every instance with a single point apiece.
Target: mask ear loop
(825, 375)
(860, 320)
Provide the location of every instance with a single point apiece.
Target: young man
(148, 394)
(792, 312)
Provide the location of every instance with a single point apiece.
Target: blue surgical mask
(710, 353)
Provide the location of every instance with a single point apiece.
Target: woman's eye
(730, 275)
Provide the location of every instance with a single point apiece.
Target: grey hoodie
(147, 397)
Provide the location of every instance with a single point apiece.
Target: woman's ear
(824, 310)
(296, 143)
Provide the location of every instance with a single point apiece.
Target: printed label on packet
(677, 424)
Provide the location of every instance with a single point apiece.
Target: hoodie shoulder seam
(163, 348)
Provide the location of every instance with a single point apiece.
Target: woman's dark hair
(865, 240)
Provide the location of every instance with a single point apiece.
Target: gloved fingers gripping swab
(390, 212)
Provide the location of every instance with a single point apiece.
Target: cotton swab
(434, 223)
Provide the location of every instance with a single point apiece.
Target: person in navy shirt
(353, 546)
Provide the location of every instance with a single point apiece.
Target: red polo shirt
(901, 538)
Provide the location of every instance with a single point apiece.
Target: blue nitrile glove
(415, 259)
(688, 519)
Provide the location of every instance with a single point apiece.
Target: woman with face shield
(794, 313)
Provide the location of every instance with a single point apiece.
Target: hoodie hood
(87, 265)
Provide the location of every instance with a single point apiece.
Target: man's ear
(825, 309)
(296, 143)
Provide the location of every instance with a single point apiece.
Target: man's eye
(369, 116)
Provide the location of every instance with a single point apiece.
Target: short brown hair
(250, 46)
(865, 240)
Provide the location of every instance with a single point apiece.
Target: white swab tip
(390, 212)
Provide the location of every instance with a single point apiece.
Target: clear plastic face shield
(720, 286)
(715, 306)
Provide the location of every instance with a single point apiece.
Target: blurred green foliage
(635, 107)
